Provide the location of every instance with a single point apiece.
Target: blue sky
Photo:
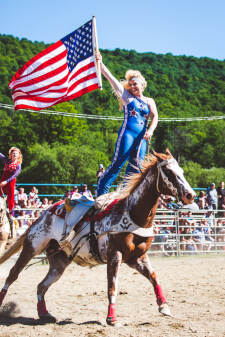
(180, 27)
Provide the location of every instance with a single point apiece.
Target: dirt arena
(194, 286)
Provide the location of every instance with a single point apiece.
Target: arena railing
(72, 185)
(169, 237)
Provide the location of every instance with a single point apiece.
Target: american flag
(63, 71)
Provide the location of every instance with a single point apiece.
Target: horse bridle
(166, 181)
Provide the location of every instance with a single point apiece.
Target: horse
(4, 225)
(123, 233)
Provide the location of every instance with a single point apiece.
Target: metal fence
(182, 233)
(178, 232)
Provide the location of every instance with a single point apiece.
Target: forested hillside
(68, 150)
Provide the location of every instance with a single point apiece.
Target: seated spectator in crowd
(100, 172)
(220, 233)
(74, 193)
(44, 203)
(86, 192)
(22, 227)
(160, 238)
(35, 204)
(209, 217)
(186, 240)
(16, 192)
(161, 203)
(209, 230)
(36, 214)
(199, 236)
(222, 214)
(201, 200)
(33, 195)
(29, 206)
(221, 194)
(170, 202)
(22, 198)
(22, 216)
(212, 196)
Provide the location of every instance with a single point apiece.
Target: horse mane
(136, 178)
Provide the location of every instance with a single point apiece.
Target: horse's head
(170, 178)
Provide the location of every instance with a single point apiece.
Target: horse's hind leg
(58, 261)
(144, 267)
(25, 256)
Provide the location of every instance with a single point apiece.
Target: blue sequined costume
(130, 144)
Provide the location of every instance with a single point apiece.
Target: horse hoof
(110, 322)
(2, 295)
(164, 309)
(48, 318)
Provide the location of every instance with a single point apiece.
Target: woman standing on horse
(12, 168)
(140, 121)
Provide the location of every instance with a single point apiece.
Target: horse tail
(14, 248)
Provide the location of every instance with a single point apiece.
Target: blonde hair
(20, 159)
(132, 74)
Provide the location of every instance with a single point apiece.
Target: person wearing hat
(100, 172)
(86, 192)
(212, 197)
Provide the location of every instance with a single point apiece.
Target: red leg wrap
(111, 313)
(159, 294)
(2, 295)
(41, 308)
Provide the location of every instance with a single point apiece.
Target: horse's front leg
(114, 259)
(144, 267)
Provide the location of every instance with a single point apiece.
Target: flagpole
(97, 50)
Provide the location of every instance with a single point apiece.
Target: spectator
(22, 227)
(186, 239)
(212, 196)
(221, 194)
(201, 200)
(220, 231)
(100, 172)
(161, 202)
(22, 198)
(199, 236)
(74, 193)
(33, 195)
(36, 214)
(159, 238)
(86, 192)
(44, 203)
(223, 207)
(208, 235)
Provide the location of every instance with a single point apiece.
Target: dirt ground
(194, 286)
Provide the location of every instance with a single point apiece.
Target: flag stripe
(63, 71)
(51, 97)
(38, 59)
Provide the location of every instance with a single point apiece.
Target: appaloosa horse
(123, 232)
(4, 225)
